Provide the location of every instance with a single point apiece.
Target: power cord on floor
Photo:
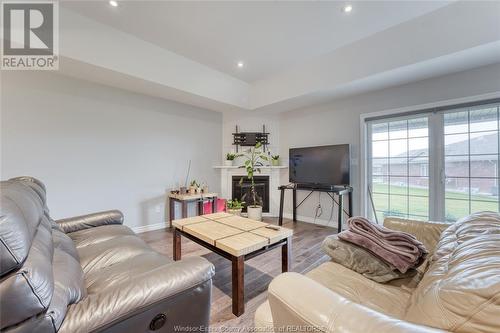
(319, 210)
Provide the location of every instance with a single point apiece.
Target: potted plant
(229, 159)
(234, 206)
(254, 160)
(275, 160)
(193, 186)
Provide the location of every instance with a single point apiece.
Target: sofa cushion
(94, 236)
(68, 285)
(385, 298)
(111, 252)
(28, 291)
(460, 291)
(21, 213)
(101, 279)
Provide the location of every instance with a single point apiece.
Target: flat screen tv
(321, 166)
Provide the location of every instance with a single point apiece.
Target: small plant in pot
(193, 186)
(254, 160)
(234, 206)
(230, 159)
(275, 160)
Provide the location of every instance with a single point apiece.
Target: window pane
(484, 189)
(398, 148)
(380, 166)
(456, 122)
(380, 184)
(398, 167)
(457, 188)
(484, 166)
(479, 206)
(398, 185)
(419, 166)
(380, 148)
(398, 205)
(456, 166)
(398, 129)
(456, 209)
(484, 143)
(381, 202)
(418, 186)
(418, 147)
(456, 144)
(380, 131)
(418, 127)
(483, 120)
(419, 206)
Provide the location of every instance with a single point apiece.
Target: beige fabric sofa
(459, 290)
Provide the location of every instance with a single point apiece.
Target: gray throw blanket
(362, 261)
(399, 249)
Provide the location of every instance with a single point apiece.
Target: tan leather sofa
(90, 273)
(459, 290)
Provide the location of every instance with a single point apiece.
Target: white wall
(339, 122)
(99, 148)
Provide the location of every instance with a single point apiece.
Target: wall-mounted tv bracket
(339, 191)
(250, 139)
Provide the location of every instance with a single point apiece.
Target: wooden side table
(185, 199)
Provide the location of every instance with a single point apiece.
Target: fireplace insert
(261, 186)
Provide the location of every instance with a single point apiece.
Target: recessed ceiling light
(240, 64)
(113, 3)
(347, 8)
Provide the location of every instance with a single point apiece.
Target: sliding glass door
(399, 164)
(439, 165)
(471, 161)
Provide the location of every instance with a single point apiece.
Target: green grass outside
(420, 205)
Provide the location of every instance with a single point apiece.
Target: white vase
(255, 213)
(228, 162)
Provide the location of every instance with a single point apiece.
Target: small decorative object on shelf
(275, 160)
(234, 206)
(254, 161)
(229, 159)
(193, 187)
(250, 139)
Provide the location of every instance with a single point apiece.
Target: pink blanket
(397, 248)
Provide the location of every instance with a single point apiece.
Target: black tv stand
(339, 190)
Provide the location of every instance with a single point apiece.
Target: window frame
(436, 170)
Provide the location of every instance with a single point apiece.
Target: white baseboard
(308, 219)
(150, 227)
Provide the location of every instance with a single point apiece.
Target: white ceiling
(270, 37)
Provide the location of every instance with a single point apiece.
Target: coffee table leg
(177, 245)
(286, 255)
(238, 267)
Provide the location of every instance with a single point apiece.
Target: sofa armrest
(177, 287)
(300, 303)
(76, 223)
(425, 231)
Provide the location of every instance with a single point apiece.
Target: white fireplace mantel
(227, 173)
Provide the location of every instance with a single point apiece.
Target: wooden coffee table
(237, 239)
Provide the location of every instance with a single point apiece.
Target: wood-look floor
(259, 271)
